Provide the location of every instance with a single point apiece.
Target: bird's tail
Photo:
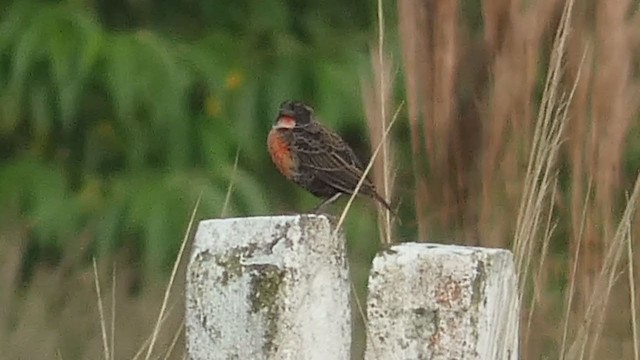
(384, 203)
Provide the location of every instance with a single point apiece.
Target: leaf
(73, 46)
(14, 21)
(43, 197)
(27, 51)
(41, 112)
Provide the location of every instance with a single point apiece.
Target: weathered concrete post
(272, 287)
(442, 302)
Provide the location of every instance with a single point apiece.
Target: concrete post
(442, 302)
(272, 287)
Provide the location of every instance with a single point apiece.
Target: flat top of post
(236, 232)
(441, 248)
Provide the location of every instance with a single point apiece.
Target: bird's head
(292, 114)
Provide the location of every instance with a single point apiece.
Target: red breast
(280, 152)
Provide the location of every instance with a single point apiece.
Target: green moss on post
(442, 302)
(268, 288)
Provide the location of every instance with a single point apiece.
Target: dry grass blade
(343, 215)
(383, 121)
(541, 174)
(352, 197)
(105, 342)
(113, 312)
(362, 314)
(574, 270)
(537, 284)
(174, 271)
(227, 197)
(372, 94)
(376, 123)
(611, 264)
(377, 131)
(587, 335)
(552, 119)
(364, 321)
(632, 297)
(174, 341)
(150, 337)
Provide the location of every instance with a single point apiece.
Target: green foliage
(111, 128)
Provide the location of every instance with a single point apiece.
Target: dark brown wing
(329, 158)
(324, 156)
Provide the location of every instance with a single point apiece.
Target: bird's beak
(285, 122)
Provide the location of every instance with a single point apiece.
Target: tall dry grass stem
(174, 340)
(145, 344)
(383, 90)
(632, 296)
(590, 326)
(103, 328)
(227, 198)
(172, 278)
(541, 175)
(366, 171)
(113, 311)
(345, 211)
(377, 122)
(572, 278)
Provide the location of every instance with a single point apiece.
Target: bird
(315, 158)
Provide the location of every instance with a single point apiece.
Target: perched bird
(314, 157)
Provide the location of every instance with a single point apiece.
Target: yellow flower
(212, 106)
(234, 80)
(91, 193)
(105, 129)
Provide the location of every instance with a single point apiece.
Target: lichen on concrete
(265, 284)
(231, 267)
(269, 288)
(477, 297)
(231, 262)
(437, 302)
(479, 282)
(425, 324)
(279, 234)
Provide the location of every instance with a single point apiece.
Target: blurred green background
(116, 115)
